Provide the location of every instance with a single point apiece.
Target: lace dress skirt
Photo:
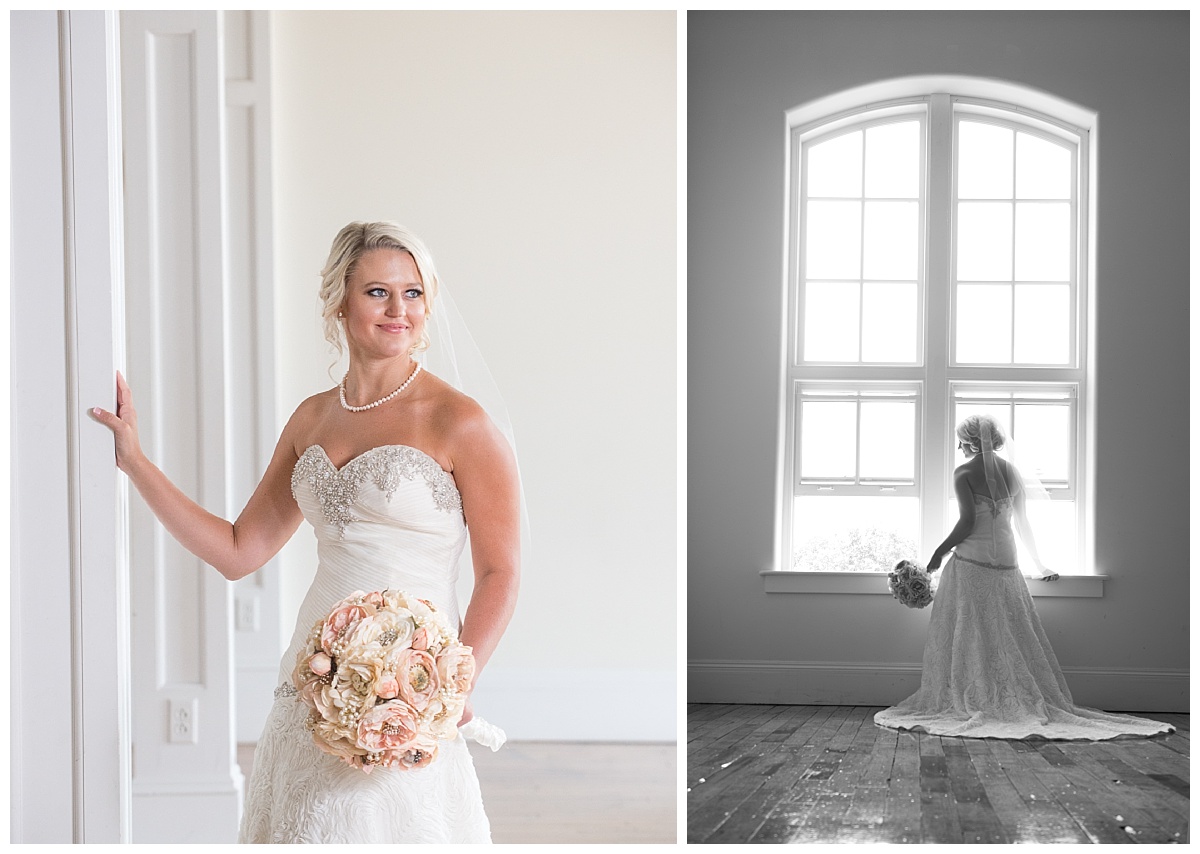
(988, 670)
(299, 794)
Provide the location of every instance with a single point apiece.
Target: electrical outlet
(246, 614)
(182, 721)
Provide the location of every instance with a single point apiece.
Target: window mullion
(935, 421)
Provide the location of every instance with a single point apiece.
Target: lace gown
(390, 517)
(988, 669)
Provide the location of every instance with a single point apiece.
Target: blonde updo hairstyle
(969, 432)
(351, 243)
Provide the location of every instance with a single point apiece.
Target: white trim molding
(844, 683)
(69, 617)
(790, 581)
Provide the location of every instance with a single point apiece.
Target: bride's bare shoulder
(311, 411)
(452, 411)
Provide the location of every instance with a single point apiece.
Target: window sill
(788, 581)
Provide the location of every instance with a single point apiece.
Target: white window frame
(936, 374)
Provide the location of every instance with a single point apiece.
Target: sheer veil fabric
(454, 356)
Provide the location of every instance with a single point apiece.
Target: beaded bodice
(386, 466)
(390, 517)
(991, 541)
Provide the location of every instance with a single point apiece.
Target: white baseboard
(829, 683)
(187, 815)
(578, 705)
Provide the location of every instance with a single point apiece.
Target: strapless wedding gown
(390, 517)
(988, 669)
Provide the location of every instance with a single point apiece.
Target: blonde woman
(392, 468)
(988, 669)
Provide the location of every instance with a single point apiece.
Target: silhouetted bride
(988, 669)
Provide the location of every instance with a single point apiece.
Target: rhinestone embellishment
(336, 490)
(285, 689)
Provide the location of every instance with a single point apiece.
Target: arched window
(937, 266)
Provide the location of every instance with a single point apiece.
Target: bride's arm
(486, 473)
(966, 520)
(234, 549)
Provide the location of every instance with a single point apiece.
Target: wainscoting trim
(788, 581)
(834, 683)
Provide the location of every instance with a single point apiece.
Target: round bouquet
(911, 584)
(386, 678)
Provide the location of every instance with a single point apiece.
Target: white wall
(535, 154)
(1128, 649)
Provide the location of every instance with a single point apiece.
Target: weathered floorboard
(829, 774)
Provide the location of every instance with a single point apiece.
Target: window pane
(1043, 169)
(889, 322)
(1043, 324)
(1054, 533)
(1044, 434)
(835, 166)
(893, 161)
(1044, 241)
(888, 439)
(985, 241)
(983, 334)
(831, 322)
(828, 431)
(854, 533)
(890, 240)
(832, 240)
(985, 161)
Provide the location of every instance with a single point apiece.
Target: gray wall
(744, 71)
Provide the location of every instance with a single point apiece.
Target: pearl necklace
(348, 407)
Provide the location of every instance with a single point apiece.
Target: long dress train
(390, 517)
(988, 670)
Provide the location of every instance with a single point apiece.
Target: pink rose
(342, 621)
(320, 664)
(418, 677)
(388, 726)
(420, 640)
(387, 687)
(456, 668)
(420, 753)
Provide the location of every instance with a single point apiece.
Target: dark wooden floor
(829, 774)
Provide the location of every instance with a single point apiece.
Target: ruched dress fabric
(988, 670)
(389, 518)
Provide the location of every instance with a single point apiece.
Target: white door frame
(70, 761)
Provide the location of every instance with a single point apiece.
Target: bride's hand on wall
(1046, 574)
(123, 424)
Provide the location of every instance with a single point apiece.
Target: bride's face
(385, 305)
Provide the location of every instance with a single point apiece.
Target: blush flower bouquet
(386, 679)
(911, 584)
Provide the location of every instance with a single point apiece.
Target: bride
(988, 669)
(391, 468)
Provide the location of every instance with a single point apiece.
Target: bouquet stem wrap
(386, 679)
(911, 584)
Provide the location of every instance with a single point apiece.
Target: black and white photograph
(938, 427)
